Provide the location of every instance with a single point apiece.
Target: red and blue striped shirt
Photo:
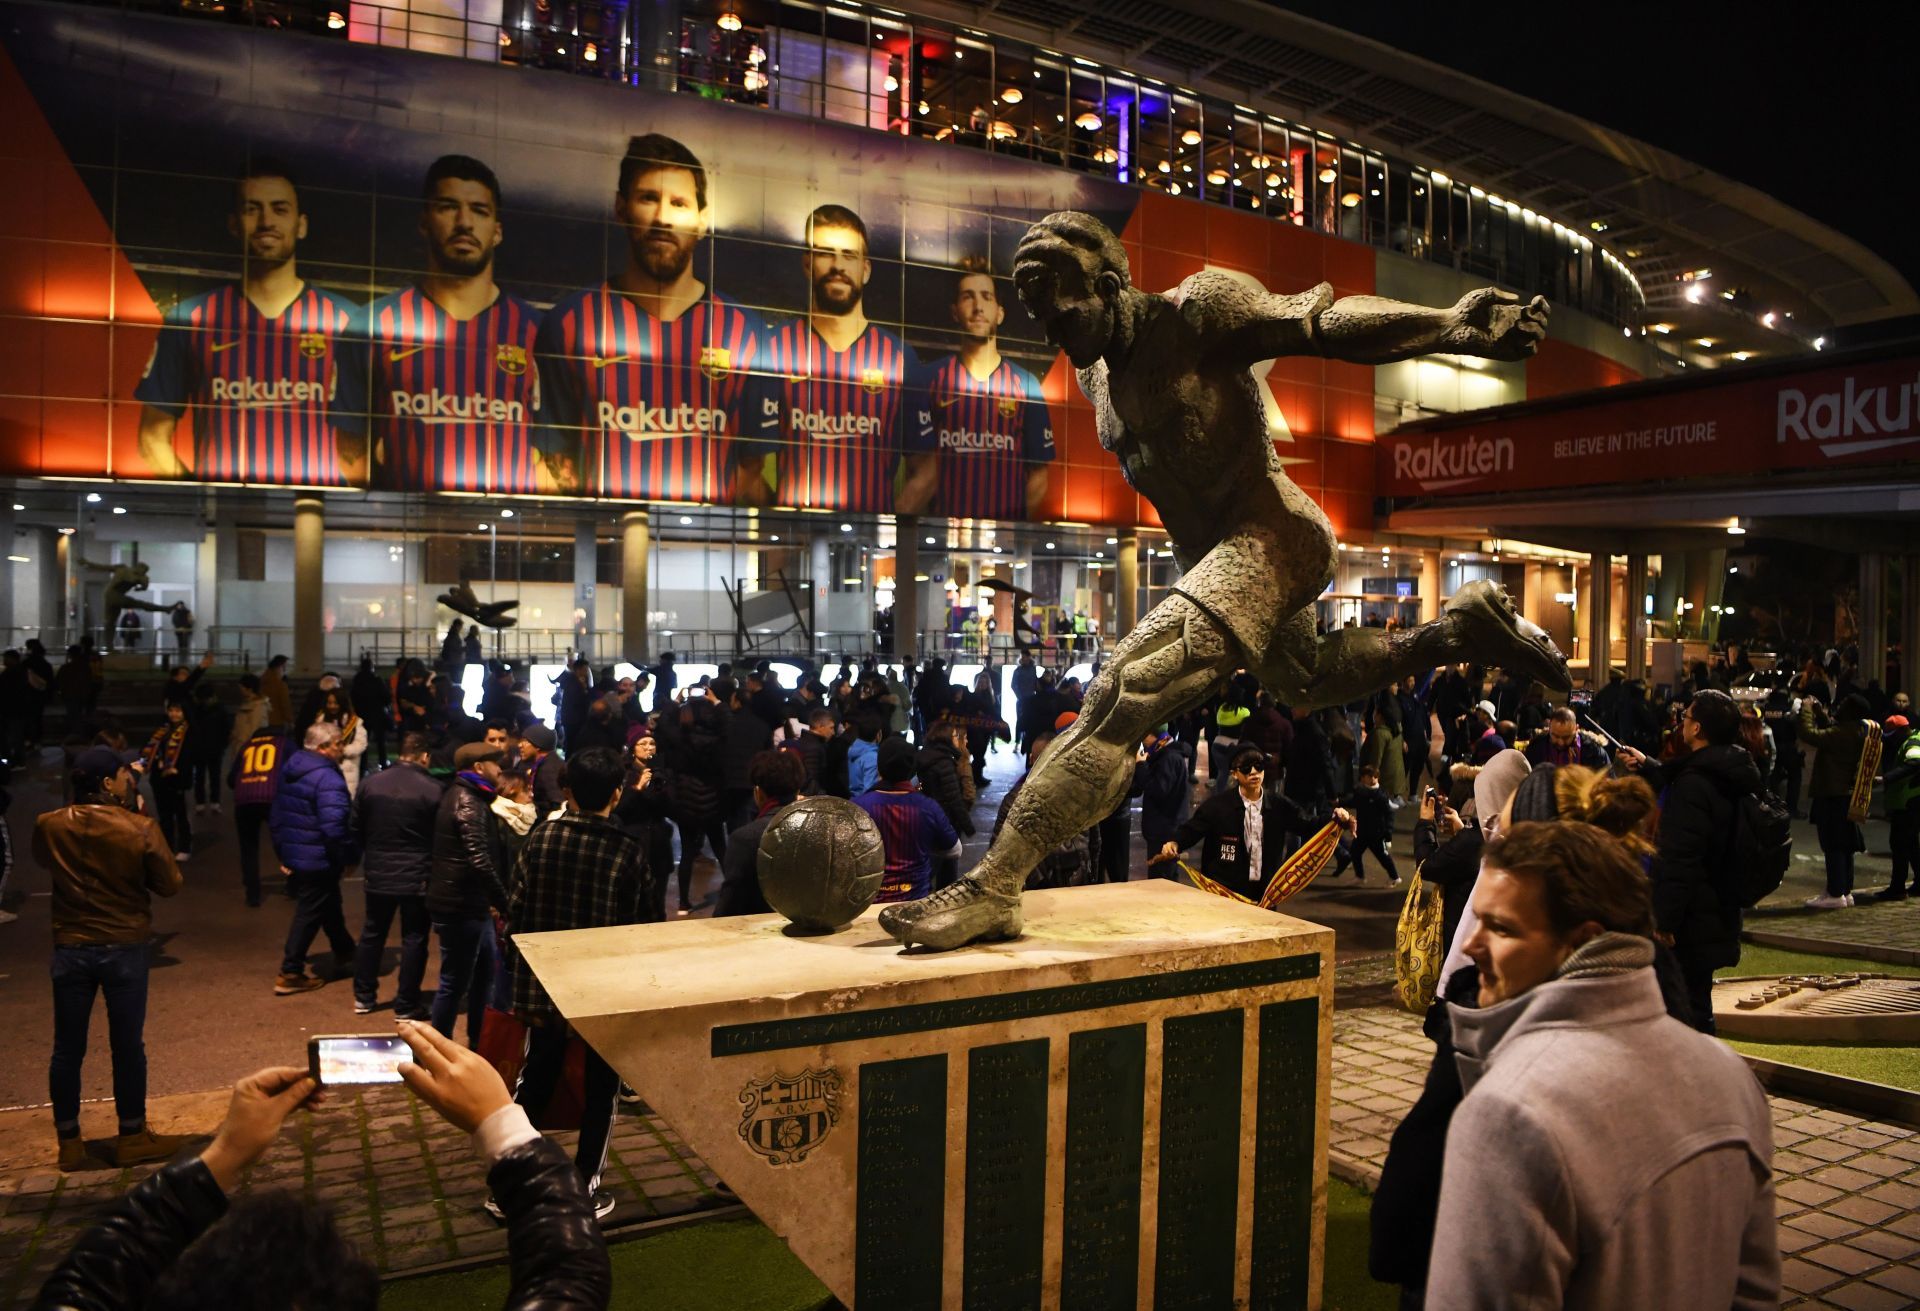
(913, 830)
(657, 410)
(268, 394)
(987, 433)
(843, 416)
(455, 402)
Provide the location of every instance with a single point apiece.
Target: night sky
(1813, 105)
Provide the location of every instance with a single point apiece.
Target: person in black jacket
(1695, 903)
(942, 767)
(644, 813)
(1310, 771)
(1373, 829)
(1242, 827)
(372, 700)
(1161, 777)
(468, 883)
(811, 747)
(210, 724)
(181, 1241)
(394, 815)
(691, 742)
(1446, 855)
(748, 734)
(777, 776)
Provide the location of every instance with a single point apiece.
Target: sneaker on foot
(137, 1148)
(1825, 903)
(362, 1007)
(288, 984)
(1885, 894)
(603, 1202)
(1849, 897)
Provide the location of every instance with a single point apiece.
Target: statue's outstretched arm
(1489, 323)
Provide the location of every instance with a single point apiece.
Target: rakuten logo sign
(1850, 420)
(1435, 463)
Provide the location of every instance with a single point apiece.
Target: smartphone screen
(356, 1058)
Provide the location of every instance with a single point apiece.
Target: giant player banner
(235, 256)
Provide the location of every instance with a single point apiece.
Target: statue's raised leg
(1173, 660)
(1479, 624)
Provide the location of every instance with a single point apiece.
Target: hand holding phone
(337, 1058)
(260, 1104)
(454, 1080)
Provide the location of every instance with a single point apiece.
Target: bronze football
(820, 863)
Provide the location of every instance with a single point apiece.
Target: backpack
(1761, 849)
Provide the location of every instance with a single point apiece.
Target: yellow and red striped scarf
(162, 753)
(1863, 774)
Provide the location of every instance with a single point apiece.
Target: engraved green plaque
(1283, 1153)
(901, 1186)
(1006, 1207)
(1106, 1110)
(1199, 1160)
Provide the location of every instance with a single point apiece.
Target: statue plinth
(1125, 1106)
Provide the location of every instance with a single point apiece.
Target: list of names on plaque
(1199, 1160)
(1283, 1153)
(900, 1194)
(1006, 1202)
(1106, 1109)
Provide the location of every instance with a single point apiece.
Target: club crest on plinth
(787, 1116)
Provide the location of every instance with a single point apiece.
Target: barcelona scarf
(1863, 775)
(1299, 869)
(163, 750)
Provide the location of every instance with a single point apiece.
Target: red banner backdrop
(1864, 413)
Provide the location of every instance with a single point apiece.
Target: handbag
(1419, 945)
(503, 1045)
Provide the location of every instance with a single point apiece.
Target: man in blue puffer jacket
(312, 832)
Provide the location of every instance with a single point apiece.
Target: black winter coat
(1452, 866)
(1694, 896)
(747, 736)
(394, 816)
(740, 871)
(1310, 766)
(558, 1258)
(1166, 796)
(1222, 820)
(812, 750)
(940, 769)
(691, 744)
(469, 855)
(833, 764)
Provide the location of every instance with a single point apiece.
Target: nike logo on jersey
(600, 363)
(950, 401)
(395, 355)
(219, 346)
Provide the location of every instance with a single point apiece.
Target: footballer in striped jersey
(992, 435)
(848, 388)
(268, 367)
(649, 377)
(456, 396)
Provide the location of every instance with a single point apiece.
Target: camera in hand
(345, 1058)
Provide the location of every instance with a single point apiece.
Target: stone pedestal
(1126, 1107)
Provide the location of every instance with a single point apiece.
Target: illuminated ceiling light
(335, 19)
(21, 559)
(892, 83)
(996, 550)
(1597, 226)
(1733, 568)
(1013, 95)
(66, 532)
(506, 514)
(483, 527)
(1173, 188)
(1191, 137)
(1662, 328)
(1700, 275)
(1726, 295)
(1088, 122)
(1217, 177)
(93, 498)
(922, 107)
(927, 540)
(959, 54)
(1374, 191)
(1440, 179)
(1327, 174)
(1743, 356)
(1819, 344)
(1704, 343)
(1695, 294)
(505, 39)
(1273, 181)
(728, 21)
(774, 538)
(119, 509)
(756, 56)
(1738, 528)
(686, 519)
(1256, 199)
(1106, 155)
(1186, 168)
(591, 54)
(846, 527)
(1003, 130)
(1766, 320)
(1259, 161)
(1351, 199)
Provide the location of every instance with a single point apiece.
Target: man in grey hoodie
(1605, 1154)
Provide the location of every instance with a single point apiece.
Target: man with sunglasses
(1243, 827)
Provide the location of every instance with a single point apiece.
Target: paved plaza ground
(408, 1188)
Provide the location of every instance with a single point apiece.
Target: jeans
(316, 909)
(206, 779)
(170, 801)
(414, 923)
(120, 971)
(466, 970)
(1839, 839)
(1699, 980)
(251, 821)
(545, 1060)
(691, 835)
(1116, 846)
(1360, 847)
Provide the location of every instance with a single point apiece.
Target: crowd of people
(1593, 861)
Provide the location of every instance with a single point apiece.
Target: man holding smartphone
(107, 861)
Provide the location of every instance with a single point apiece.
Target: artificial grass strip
(1777, 960)
(1348, 1286)
(718, 1265)
(1888, 1063)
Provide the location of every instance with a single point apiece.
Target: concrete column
(636, 540)
(309, 633)
(906, 592)
(586, 570)
(1873, 616)
(1532, 601)
(1430, 597)
(1126, 582)
(65, 602)
(1670, 591)
(1599, 621)
(8, 618)
(1636, 616)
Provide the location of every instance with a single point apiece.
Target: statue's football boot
(965, 911)
(1493, 632)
